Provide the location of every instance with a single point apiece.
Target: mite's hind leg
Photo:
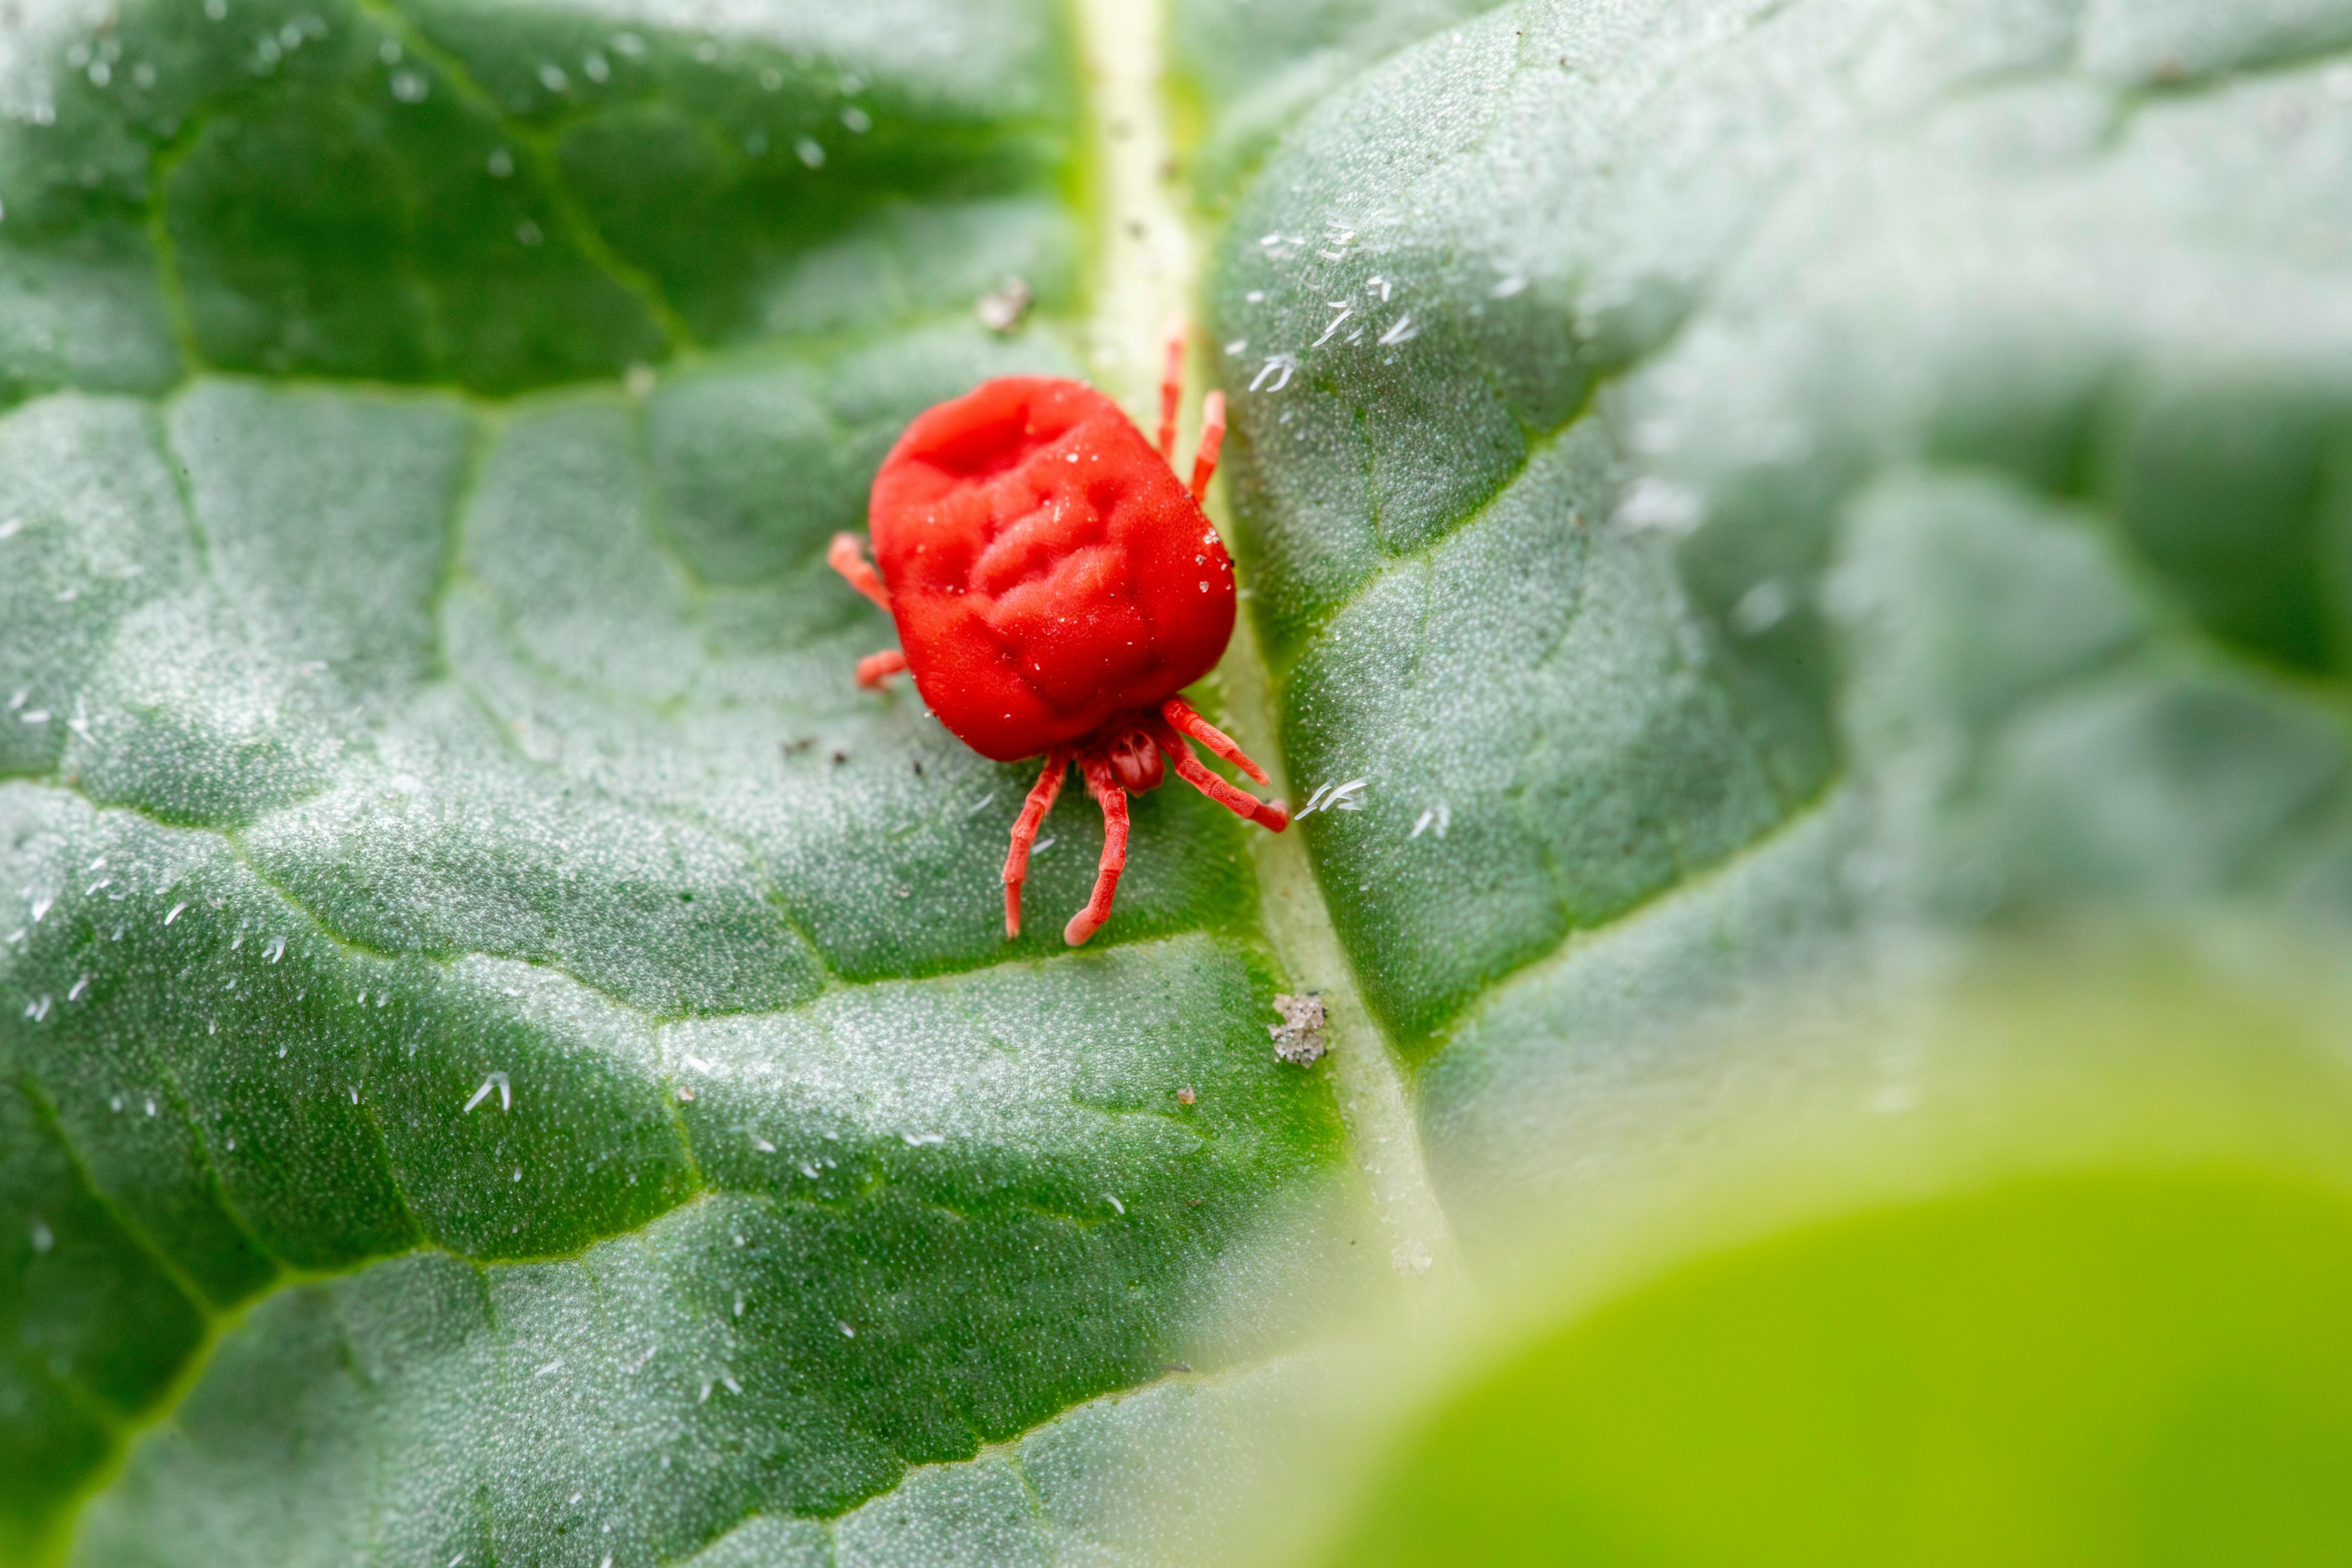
(876, 669)
(1187, 721)
(1212, 436)
(848, 558)
(1271, 815)
(1171, 389)
(1025, 834)
(1103, 787)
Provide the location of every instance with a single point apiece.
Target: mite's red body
(1045, 568)
(1055, 586)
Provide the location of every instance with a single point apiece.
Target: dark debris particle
(839, 758)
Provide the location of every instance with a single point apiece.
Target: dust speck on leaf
(1298, 1038)
(1002, 309)
(497, 1080)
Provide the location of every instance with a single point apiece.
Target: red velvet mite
(1055, 587)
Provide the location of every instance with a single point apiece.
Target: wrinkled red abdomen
(1047, 568)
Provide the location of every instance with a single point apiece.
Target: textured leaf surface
(1736, 477)
(482, 990)
(1244, 69)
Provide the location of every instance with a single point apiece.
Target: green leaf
(1243, 69)
(511, 1055)
(509, 1051)
(1743, 482)
(1761, 494)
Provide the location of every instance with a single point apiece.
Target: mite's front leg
(1105, 789)
(1025, 834)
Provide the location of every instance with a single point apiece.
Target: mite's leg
(1171, 389)
(876, 669)
(1024, 833)
(1105, 788)
(847, 559)
(1271, 815)
(1179, 713)
(1212, 436)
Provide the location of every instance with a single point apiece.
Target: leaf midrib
(1139, 284)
